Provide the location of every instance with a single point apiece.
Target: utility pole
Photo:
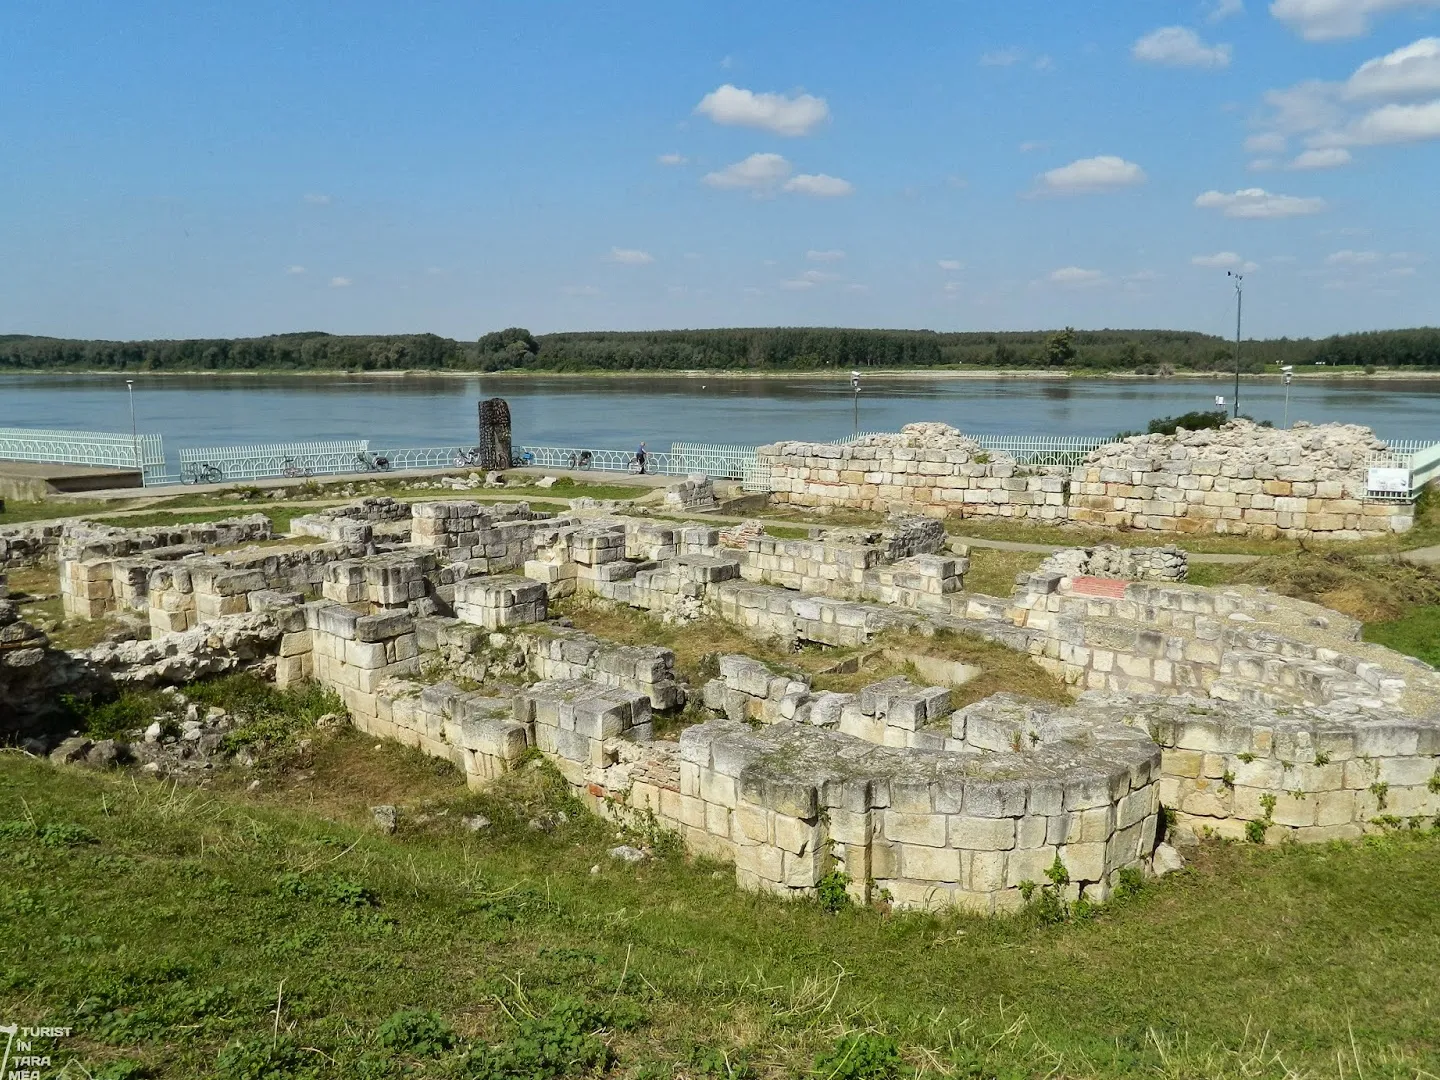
(134, 436)
(1239, 281)
(855, 385)
(1286, 374)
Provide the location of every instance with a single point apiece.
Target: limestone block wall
(581, 724)
(353, 653)
(384, 581)
(360, 522)
(499, 602)
(1242, 479)
(790, 803)
(1167, 563)
(1308, 774)
(747, 689)
(882, 473)
(30, 544)
(559, 653)
(695, 492)
(479, 734)
(497, 539)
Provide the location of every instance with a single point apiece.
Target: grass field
(272, 934)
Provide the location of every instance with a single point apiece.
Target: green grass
(167, 924)
(279, 516)
(787, 532)
(17, 513)
(993, 571)
(1416, 633)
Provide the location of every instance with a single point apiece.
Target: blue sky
(203, 169)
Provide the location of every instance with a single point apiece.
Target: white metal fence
(102, 448)
(217, 464)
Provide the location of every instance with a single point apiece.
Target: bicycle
(202, 472)
(582, 460)
(291, 469)
(637, 465)
(371, 463)
(466, 458)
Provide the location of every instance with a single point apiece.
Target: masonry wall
(1241, 479)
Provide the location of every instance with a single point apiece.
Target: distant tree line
(1151, 352)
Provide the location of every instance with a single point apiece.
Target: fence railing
(1400, 472)
(216, 464)
(102, 448)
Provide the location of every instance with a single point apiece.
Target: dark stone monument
(495, 434)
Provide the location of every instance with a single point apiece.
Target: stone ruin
(1238, 712)
(1307, 481)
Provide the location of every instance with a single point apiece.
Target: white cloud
(819, 185)
(340, 282)
(1387, 125)
(1331, 158)
(1091, 175)
(798, 115)
(1179, 46)
(1002, 57)
(857, 287)
(295, 270)
(1264, 164)
(1352, 258)
(951, 264)
(1042, 62)
(1222, 260)
(1258, 203)
(1408, 72)
(1223, 9)
(1032, 144)
(1271, 142)
(580, 290)
(954, 286)
(819, 276)
(1074, 277)
(832, 255)
(318, 200)
(672, 159)
(630, 256)
(1306, 106)
(797, 284)
(1329, 20)
(758, 171)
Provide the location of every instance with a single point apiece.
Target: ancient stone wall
(1241, 479)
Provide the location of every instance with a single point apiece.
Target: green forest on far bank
(1146, 352)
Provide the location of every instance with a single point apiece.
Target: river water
(618, 412)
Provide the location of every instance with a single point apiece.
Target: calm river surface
(219, 410)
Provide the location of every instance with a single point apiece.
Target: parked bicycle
(583, 460)
(372, 463)
(466, 458)
(202, 472)
(292, 469)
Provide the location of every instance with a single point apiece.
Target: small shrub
(861, 1055)
(722, 1064)
(1255, 831)
(266, 1058)
(52, 835)
(124, 1069)
(1130, 883)
(830, 891)
(563, 1041)
(1381, 791)
(416, 1031)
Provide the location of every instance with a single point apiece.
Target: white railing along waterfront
(217, 464)
(103, 448)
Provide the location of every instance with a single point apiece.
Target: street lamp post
(1286, 374)
(134, 436)
(855, 385)
(1239, 281)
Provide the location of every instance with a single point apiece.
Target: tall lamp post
(1239, 281)
(1287, 372)
(855, 385)
(134, 436)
